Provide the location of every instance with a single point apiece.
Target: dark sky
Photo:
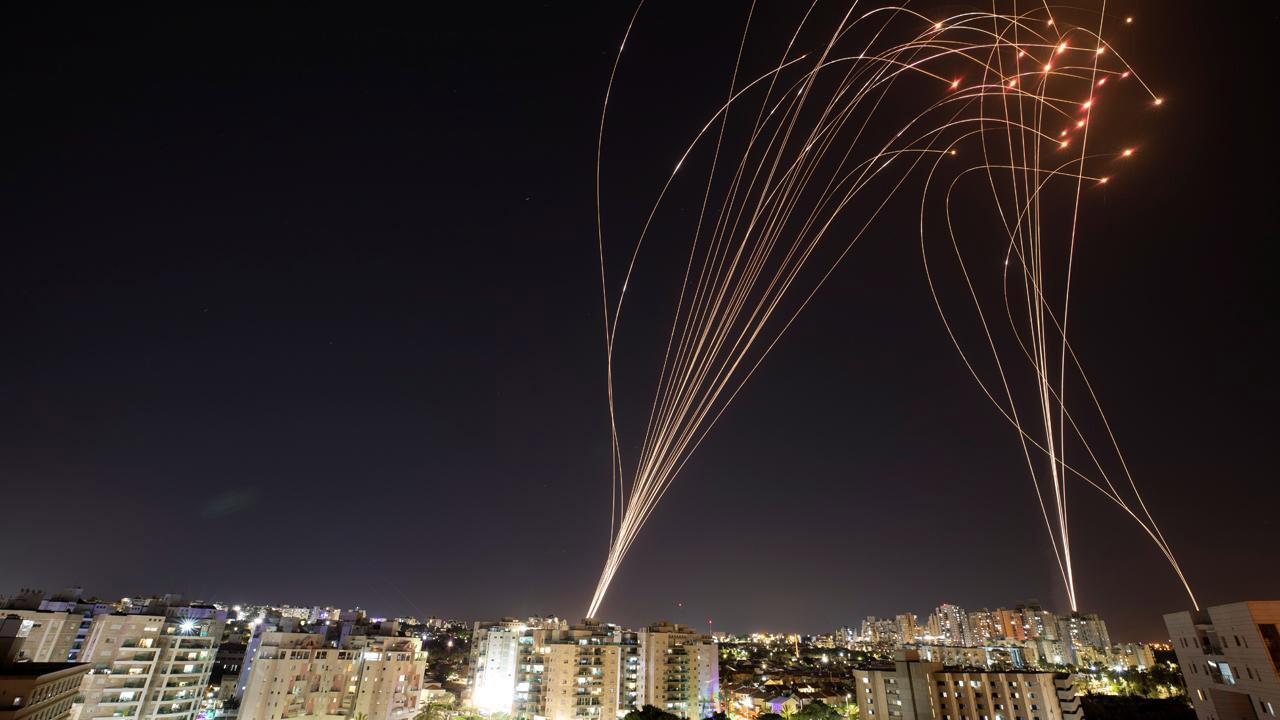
(302, 306)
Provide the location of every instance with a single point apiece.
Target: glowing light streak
(809, 154)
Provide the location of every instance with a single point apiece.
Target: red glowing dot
(1079, 123)
(1159, 101)
(1102, 82)
(1102, 180)
(1124, 74)
(1127, 152)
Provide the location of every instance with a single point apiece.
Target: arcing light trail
(1002, 102)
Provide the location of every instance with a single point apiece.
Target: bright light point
(1021, 53)
(1079, 123)
(1127, 152)
(1102, 180)
(1102, 82)
(953, 152)
(955, 84)
(1159, 101)
(1050, 23)
(1124, 74)
(1013, 83)
(1128, 20)
(1100, 51)
(1062, 134)
(1062, 48)
(187, 625)
(1087, 104)
(1047, 67)
(937, 26)
(1062, 144)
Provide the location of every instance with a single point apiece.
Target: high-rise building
(1133, 655)
(1038, 623)
(591, 671)
(909, 689)
(1084, 638)
(151, 664)
(950, 625)
(586, 672)
(1229, 655)
(495, 649)
(33, 690)
(881, 631)
(50, 636)
(59, 624)
(1008, 625)
(982, 628)
(679, 670)
(304, 675)
(907, 630)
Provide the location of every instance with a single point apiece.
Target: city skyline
(30, 598)
(339, 273)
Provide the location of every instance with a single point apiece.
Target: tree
(649, 712)
(818, 710)
(435, 711)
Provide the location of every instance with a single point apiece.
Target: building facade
(50, 636)
(1229, 655)
(586, 672)
(592, 671)
(679, 670)
(150, 665)
(495, 648)
(297, 675)
(911, 689)
(33, 690)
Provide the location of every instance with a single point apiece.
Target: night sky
(303, 307)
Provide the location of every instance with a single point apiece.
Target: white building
(495, 648)
(586, 672)
(909, 689)
(300, 675)
(679, 670)
(1229, 655)
(591, 671)
(150, 665)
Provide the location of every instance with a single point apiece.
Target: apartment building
(591, 671)
(585, 672)
(152, 664)
(679, 670)
(911, 689)
(1133, 655)
(33, 690)
(304, 675)
(495, 647)
(50, 636)
(57, 625)
(1229, 655)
